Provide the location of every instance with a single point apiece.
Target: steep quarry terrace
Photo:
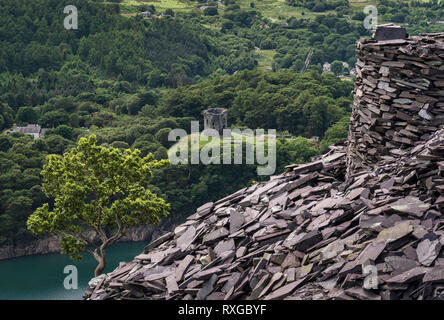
(328, 229)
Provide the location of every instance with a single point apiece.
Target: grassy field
(277, 10)
(129, 7)
(212, 26)
(359, 5)
(265, 58)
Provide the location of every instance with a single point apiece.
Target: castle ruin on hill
(216, 118)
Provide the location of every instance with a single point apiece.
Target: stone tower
(216, 118)
(398, 96)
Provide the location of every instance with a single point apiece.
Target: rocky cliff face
(41, 246)
(352, 224)
(51, 244)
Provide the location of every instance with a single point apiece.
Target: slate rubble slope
(306, 234)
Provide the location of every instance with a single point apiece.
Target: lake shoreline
(51, 244)
(42, 276)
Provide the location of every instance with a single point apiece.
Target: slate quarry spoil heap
(323, 230)
(306, 234)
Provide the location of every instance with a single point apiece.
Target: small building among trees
(146, 14)
(34, 130)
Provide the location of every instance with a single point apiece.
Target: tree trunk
(101, 259)
(99, 253)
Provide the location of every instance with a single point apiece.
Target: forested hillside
(130, 80)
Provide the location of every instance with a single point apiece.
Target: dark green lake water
(41, 277)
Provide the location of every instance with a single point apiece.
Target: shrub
(210, 11)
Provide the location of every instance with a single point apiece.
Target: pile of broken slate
(309, 233)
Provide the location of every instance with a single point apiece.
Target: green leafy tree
(162, 137)
(96, 189)
(360, 16)
(336, 132)
(169, 12)
(27, 115)
(337, 67)
(7, 116)
(5, 143)
(227, 25)
(210, 11)
(65, 131)
(296, 150)
(54, 118)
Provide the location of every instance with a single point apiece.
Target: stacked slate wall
(398, 97)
